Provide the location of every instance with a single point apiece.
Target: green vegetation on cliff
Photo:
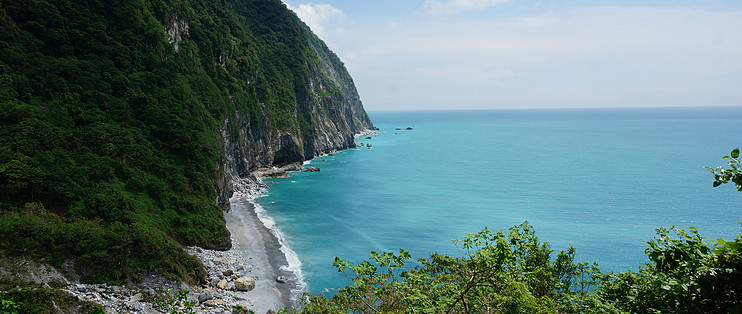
(112, 120)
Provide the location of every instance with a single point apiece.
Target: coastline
(257, 252)
(269, 257)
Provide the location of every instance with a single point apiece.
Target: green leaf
(735, 153)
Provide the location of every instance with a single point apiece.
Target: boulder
(224, 246)
(205, 296)
(368, 145)
(409, 128)
(227, 272)
(282, 279)
(219, 260)
(222, 284)
(244, 284)
(137, 297)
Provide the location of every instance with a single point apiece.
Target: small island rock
(311, 169)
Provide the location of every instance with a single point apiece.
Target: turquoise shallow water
(599, 179)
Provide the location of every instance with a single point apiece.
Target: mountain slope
(117, 119)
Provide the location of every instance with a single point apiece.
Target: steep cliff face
(123, 123)
(326, 112)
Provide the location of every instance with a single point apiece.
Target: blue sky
(490, 54)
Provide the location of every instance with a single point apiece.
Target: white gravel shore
(255, 253)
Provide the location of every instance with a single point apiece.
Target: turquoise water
(600, 179)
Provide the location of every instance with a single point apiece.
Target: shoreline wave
(293, 262)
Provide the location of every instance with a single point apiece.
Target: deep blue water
(601, 180)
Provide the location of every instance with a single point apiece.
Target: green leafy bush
(724, 175)
(512, 272)
(501, 272)
(687, 274)
(31, 299)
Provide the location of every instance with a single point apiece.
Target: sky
(505, 54)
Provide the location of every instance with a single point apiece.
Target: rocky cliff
(124, 123)
(328, 110)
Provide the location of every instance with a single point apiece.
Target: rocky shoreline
(239, 278)
(253, 275)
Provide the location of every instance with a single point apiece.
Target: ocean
(601, 180)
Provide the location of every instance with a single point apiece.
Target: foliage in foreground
(512, 272)
(500, 272)
(686, 275)
(724, 175)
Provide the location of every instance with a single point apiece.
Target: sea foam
(293, 261)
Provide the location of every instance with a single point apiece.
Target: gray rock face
(205, 296)
(328, 113)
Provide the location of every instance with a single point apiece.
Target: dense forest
(115, 117)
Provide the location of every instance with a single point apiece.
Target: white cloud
(434, 7)
(648, 56)
(318, 16)
(465, 73)
(599, 33)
